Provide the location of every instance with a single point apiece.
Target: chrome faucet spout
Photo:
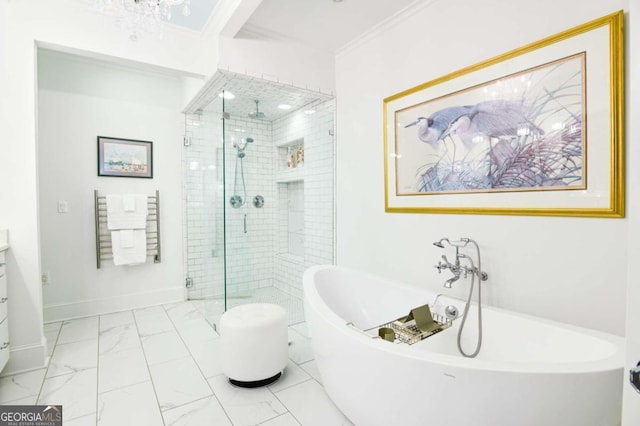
(450, 281)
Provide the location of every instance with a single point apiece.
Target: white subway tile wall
(317, 190)
(292, 231)
(250, 231)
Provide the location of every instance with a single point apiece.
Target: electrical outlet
(63, 206)
(45, 278)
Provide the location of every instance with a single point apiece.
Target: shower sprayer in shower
(240, 147)
(236, 199)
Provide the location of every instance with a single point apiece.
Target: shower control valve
(236, 201)
(258, 201)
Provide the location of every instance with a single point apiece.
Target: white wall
(566, 269)
(278, 60)
(73, 25)
(79, 99)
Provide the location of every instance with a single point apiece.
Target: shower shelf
(290, 257)
(290, 175)
(290, 143)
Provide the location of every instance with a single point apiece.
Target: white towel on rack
(129, 255)
(126, 238)
(119, 218)
(129, 202)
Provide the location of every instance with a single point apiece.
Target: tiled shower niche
(291, 220)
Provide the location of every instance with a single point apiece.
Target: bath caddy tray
(418, 325)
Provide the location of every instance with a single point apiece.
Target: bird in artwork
(476, 123)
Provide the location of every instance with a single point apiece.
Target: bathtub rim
(313, 300)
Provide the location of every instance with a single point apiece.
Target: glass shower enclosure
(258, 192)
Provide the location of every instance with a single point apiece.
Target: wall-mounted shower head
(256, 113)
(240, 147)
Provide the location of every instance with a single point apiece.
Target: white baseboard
(26, 358)
(113, 304)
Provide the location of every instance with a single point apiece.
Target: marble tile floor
(160, 366)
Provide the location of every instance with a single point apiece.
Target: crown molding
(385, 25)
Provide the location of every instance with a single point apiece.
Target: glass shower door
(204, 204)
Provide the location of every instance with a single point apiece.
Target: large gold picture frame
(535, 131)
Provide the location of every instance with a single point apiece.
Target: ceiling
(247, 90)
(201, 10)
(323, 24)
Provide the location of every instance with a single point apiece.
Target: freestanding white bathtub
(530, 371)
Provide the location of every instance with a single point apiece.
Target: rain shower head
(256, 113)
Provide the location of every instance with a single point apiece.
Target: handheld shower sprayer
(441, 242)
(462, 242)
(238, 200)
(240, 147)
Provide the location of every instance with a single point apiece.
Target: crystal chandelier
(141, 16)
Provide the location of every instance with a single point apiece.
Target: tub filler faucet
(457, 269)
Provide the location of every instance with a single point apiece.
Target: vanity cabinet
(4, 322)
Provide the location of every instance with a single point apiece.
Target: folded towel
(129, 202)
(126, 238)
(133, 255)
(119, 218)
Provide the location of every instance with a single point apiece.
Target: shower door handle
(245, 223)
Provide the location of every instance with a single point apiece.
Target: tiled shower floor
(213, 308)
(159, 366)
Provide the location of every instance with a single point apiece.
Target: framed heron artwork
(535, 131)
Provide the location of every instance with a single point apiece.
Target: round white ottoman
(254, 344)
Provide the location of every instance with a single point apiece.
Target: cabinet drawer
(4, 300)
(5, 349)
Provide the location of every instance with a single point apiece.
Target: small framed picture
(125, 157)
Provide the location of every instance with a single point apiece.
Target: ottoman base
(256, 383)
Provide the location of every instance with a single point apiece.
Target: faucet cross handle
(440, 266)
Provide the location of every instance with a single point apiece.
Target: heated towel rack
(103, 235)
